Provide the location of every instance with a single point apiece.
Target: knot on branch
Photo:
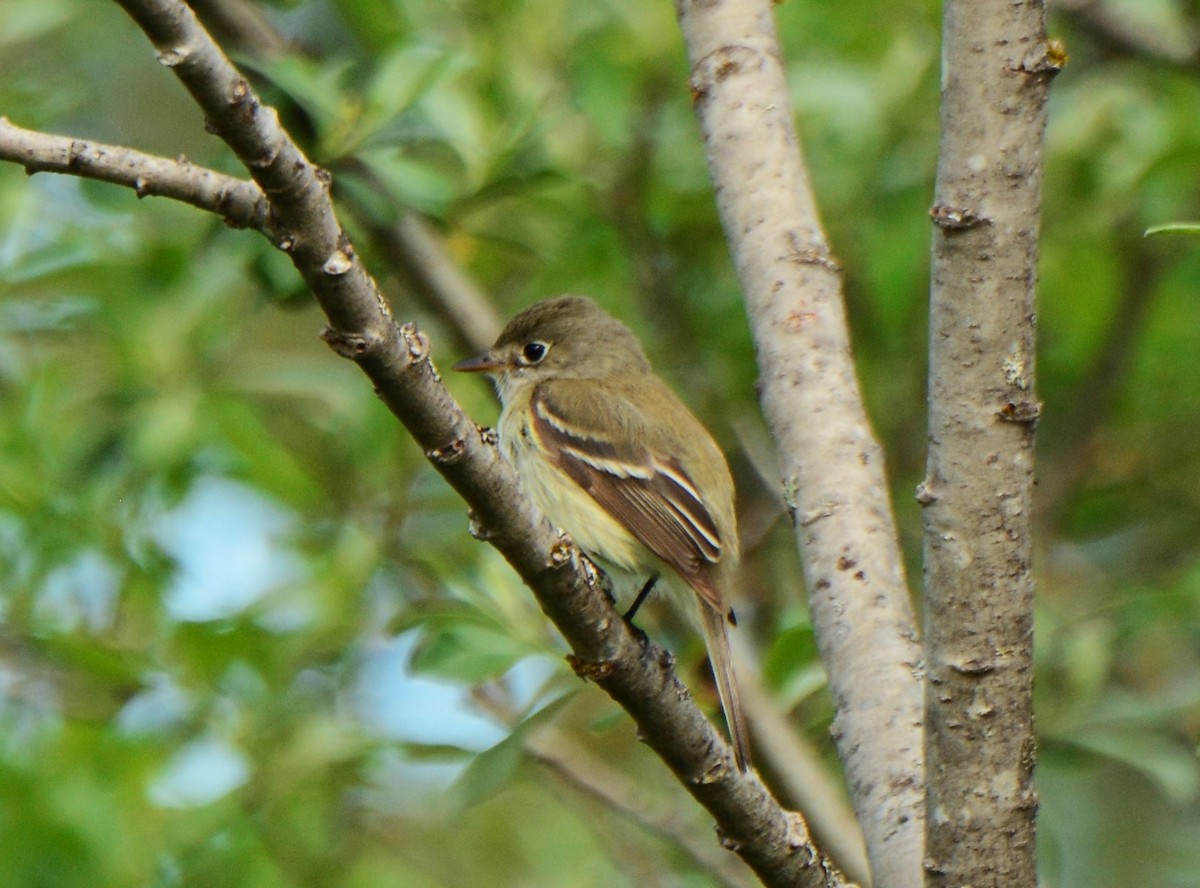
(349, 345)
(728, 842)
(973, 665)
(806, 519)
(1052, 59)
(412, 340)
(477, 528)
(950, 218)
(814, 253)
(562, 552)
(448, 454)
(591, 670)
(718, 771)
(799, 839)
(174, 56)
(1026, 412)
(338, 263)
(720, 64)
(242, 99)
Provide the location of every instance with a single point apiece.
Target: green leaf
(1171, 765)
(466, 647)
(400, 79)
(495, 768)
(414, 183)
(792, 666)
(318, 88)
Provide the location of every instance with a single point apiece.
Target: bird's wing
(650, 494)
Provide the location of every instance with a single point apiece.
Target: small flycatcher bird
(612, 456)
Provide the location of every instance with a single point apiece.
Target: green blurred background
(245, 636)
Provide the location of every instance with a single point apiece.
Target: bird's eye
(534, 352)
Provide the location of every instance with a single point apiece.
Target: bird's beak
(484, 363)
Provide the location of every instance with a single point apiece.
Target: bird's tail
(716, 638)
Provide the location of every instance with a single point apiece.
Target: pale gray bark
(834, 479)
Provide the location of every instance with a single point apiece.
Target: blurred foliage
(246, 638)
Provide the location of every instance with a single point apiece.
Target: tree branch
(241, 24)
(595, 779)
(598, 782)
(637, 674)
(833, 467)
(242, 204)
(977, 492)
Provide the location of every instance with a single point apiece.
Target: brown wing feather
(650, 495)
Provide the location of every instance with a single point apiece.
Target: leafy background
(245, 636)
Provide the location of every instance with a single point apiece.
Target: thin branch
(637, 674)
(241, 203)
(241, 24)
(410, 244)
(595, 779)
(978, 489)
(834, 479)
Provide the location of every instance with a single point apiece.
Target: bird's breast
(564, 502)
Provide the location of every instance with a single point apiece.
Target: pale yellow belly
(569, 506)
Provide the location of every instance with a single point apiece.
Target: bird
(614, 458)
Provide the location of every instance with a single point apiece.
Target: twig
(241, 203)
(242, 24)
(601, 783)
(596, 779)
(834, 481)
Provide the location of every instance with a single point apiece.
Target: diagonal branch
(617, 792)
(637, 674)
(834, 480)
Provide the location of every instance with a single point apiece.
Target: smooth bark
(834, 480)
